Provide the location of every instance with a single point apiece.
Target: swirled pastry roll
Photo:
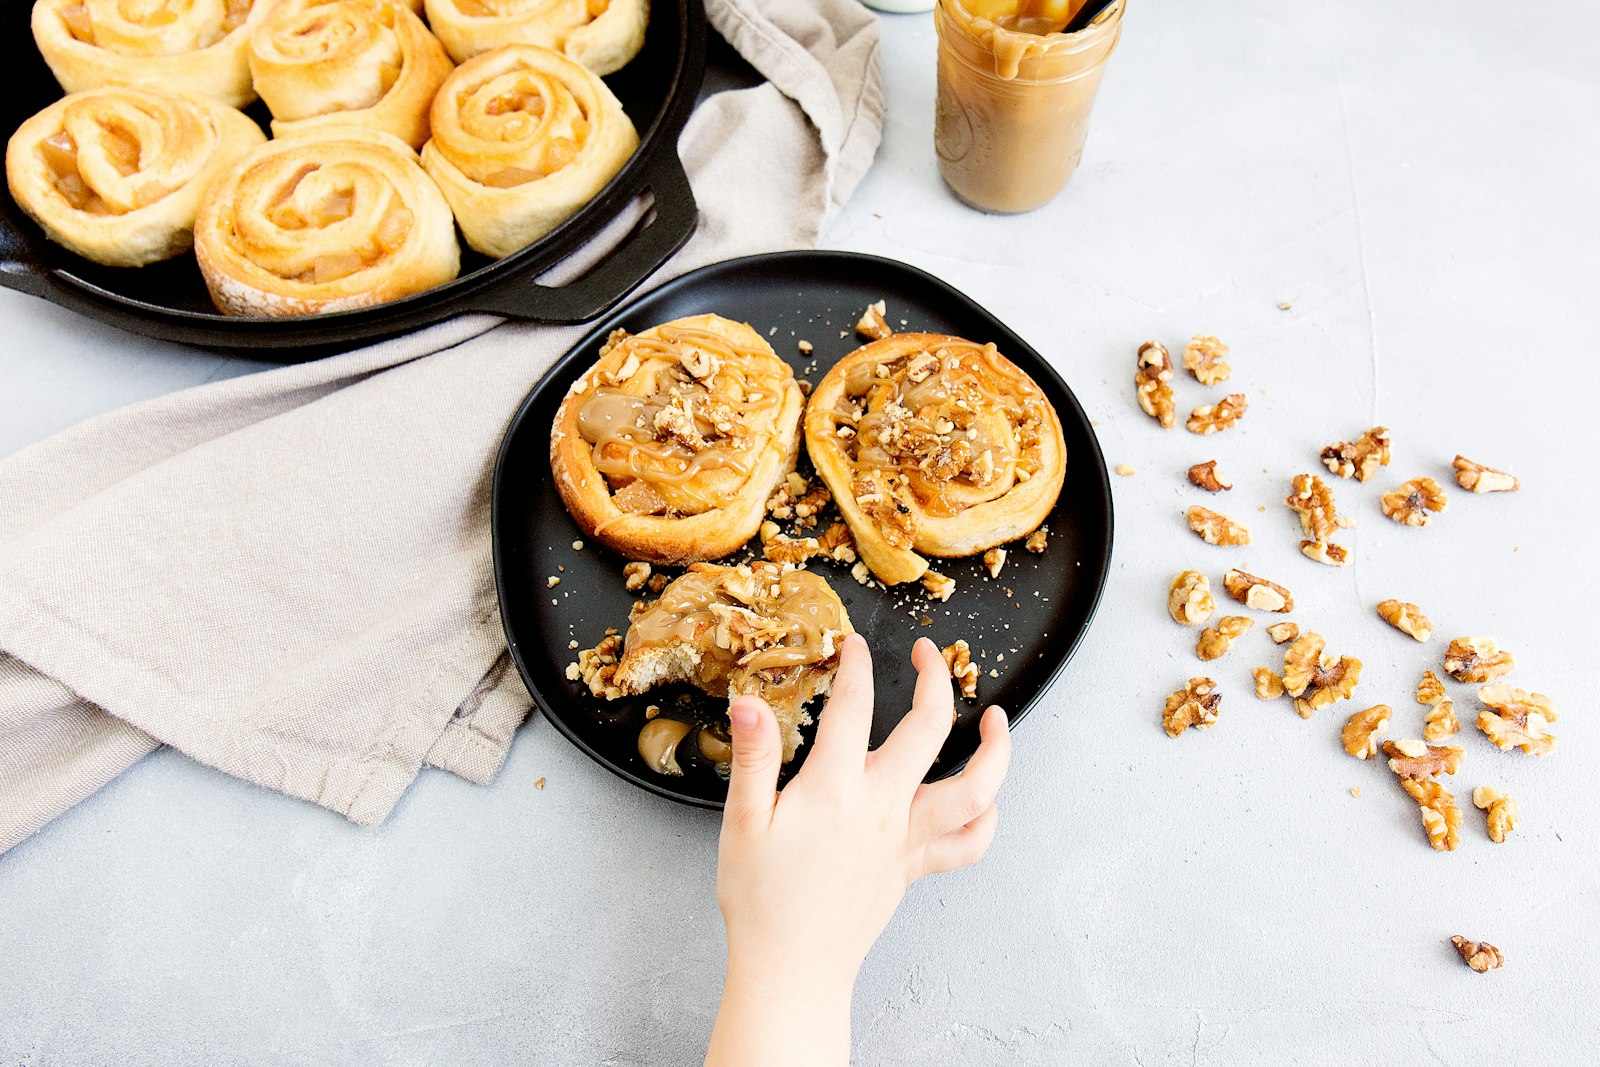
(330, 220)
(523, 138)
(347, 62)
(934, 445)
(667, 449)
(191, 47)
(117, 174)
(603, 35)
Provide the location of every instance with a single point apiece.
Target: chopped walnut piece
(1216, 529)
(1479, 955)
(658, 582)
(697, 361)
(1411, 758)
(939, 586)
(597, 666)
(958, 657)
(1361, 730)
(1214, 418)
(1477, 659)
(1202, 357)
(1314, 676)
(1153, 383)
(781, 548)
(1406, 617)
(1281, 632)
(1410, 504)
(1440, 816)
(1038, 541)
(1189, 600)
(1476, 478)
(1515, 718)
(1325, 552)
(872, 325)
(1360, 458)
(634, 575)
(1208, 477)
(810, 505)
(994, 559)
(836, 543)
(1257, 593)
(1500, 809)
(1430, 690)
(1196, 705)
(1311, 499)
(863, 574)
(1440, 723)
(1216, 640)
(1269, 683)
(1127, 470)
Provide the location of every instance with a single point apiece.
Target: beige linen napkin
(287, 576)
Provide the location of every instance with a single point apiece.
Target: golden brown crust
(745, 397)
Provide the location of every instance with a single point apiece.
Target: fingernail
(856, 638)
(744, 714)
(1002, 711)
(925, 641)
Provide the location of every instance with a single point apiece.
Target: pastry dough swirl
(117, 174)
(347, 62)
(523, 138)
(935, 445)
(334, 219)
(603, 35)
(191, 47)
(667, 449)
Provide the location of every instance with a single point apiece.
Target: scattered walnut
(551, 582)
(1153, 383)
(872, 325)
(597, 666)
(1361, 730)
(1411, 758)
(1208, 477)
(1195, 705)
(994, 559)
(958, 657)
(1477, 659)
(1311, 499)
(1216, 640)
(1440, 816)
(1326, 552)
(1314, 676)
(1500, 809)
(1269, 683)
(1440, 722)
(1189, 600)
(658, 582)
(1038, 541)
(805, 347)
(1216, 529)
(781, 548)
(1202, 357)
(1360, 458)
(1406, 617)
(1479, 955)
(1430, 690)
(1127, 470)
(697, 361)
(1476, 478)
(1283, 631)
(1214, 418)
(863, 574)
(1410, 504)
(939, 586)
(836, 543)
(1515, 718)
(1257, 593)
(635, 575)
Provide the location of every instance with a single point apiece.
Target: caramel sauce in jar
(1014, 96)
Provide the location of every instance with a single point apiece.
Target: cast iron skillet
(168, 300)
(1034, 614)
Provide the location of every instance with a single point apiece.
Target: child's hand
(807, 879)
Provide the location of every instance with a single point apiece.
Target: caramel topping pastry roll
(365, 63)
(329, 220)
(191, 47)
(934, 446)
(667, 449)
(603, 35)
(117, 174)
(523, 138)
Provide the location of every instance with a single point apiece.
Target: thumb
(757, 756)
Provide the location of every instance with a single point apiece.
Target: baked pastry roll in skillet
(117, 174)
(667, 448)
(365, 63)
(603, 35)
(523, 138)
(934, 446)
(191, 47)
(328, 220)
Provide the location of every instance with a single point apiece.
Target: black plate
(793, 296)
(169, 300)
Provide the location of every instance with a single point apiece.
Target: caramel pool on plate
(1014, 96)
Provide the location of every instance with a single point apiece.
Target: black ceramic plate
(1033, 616)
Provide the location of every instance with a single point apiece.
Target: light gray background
(1418, 180)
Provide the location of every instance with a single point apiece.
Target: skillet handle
(24, 278)
(631, 262)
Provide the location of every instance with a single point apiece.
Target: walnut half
(1315, 677)
(1216, 640)
(1411, 758)
(1479, 955)
(1441, 819)
(1216, 529)
(1196, 705)
(1407, 618)
(1214, 418)
(1500, 810)
(1412, 502)
(1311, 499)
(1208, 477)
(1189, 600)
(1203, 358)
(1515, 718)
(1477, 659)
(1476, 478)
(1361, 730)
(958, 657)
(1152, 381)
(1360, 458)
(1257, 593)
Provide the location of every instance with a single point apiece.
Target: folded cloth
(287, 576)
